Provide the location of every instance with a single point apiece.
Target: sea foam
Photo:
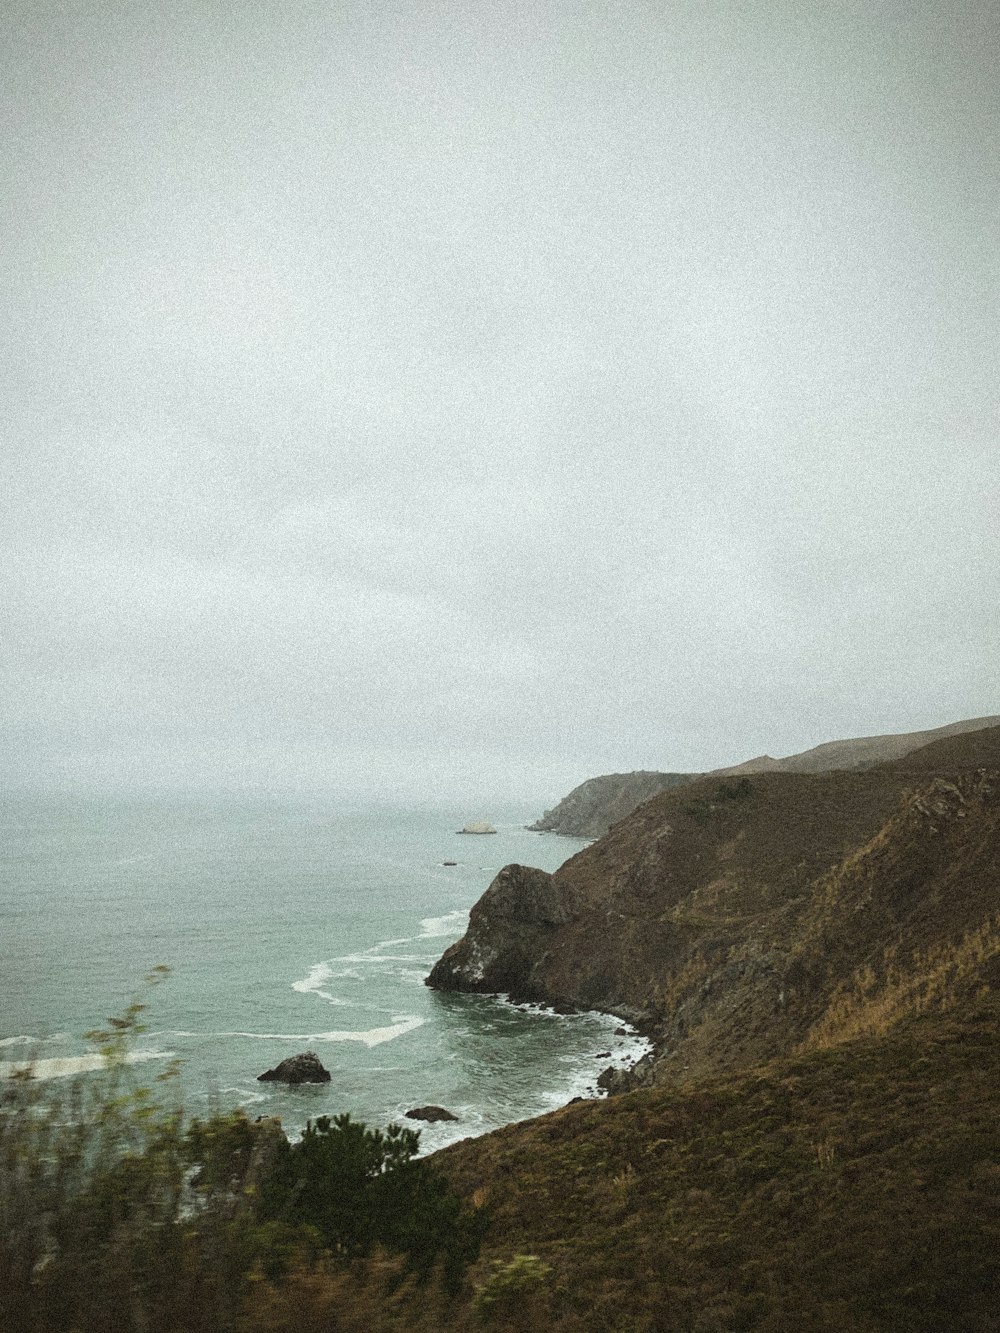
(436, 927)
(64, 1066)
(370, 1037)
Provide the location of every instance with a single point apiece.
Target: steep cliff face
(505, 947)
(590, 809)
(740, 918)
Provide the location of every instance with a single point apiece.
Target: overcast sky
(464, 399)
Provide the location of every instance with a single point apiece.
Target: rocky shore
(727, 918)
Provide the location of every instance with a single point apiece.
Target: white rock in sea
(478, 828)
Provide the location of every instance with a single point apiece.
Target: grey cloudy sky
(468, 398)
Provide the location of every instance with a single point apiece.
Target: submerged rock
(303, 1068)
(430, 1113)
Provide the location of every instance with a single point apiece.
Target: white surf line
(390, 958)
(64, 1066)
(371, 1037)
(313, 983)
(437, 927)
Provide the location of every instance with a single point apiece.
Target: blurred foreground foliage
(118, 1212)
(852, 1187)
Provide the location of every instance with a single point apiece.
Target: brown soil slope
(740, 918)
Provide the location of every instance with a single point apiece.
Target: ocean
(287, 925)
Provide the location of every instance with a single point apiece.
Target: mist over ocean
(287, 925)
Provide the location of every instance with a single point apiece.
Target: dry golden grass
(928, 980)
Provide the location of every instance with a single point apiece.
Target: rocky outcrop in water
(303, 1068)
(509, 932)
(431, 1114)
(734, 919)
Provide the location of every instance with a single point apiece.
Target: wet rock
(302, 1068)
(430, 1113)
(509, 928)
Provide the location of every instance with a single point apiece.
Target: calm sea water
(287, 926)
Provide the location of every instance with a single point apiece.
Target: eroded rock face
(303, 1068)
(591, 808)
(509, 930)
(725, 917)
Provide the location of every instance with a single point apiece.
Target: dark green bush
(116, 1212)
(359, 1188)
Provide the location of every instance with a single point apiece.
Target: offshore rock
(510, 930)
(303, 1068)
(430, 1114)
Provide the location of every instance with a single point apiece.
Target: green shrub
(359, 1188)
(117, 1212)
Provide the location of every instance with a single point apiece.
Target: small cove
(287, 925)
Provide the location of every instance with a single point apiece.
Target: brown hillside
(843, 1191)
(860, 752)
(731, 914)
(595, 805)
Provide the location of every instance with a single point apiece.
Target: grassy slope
(732, 919)
(860, 752)
(853, 1181)
(850, 1188)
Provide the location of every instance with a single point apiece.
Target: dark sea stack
(430, 1113)
(509, 932)
(303, 1068)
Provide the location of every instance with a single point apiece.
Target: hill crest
(591, 808)
(733, 917)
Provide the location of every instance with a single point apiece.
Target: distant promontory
(590, 809)
(595, 805)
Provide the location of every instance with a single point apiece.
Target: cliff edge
(739, 918)
(505, 947)
(591, 808)
(595, 805)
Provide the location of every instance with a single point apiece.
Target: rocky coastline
(727, 919)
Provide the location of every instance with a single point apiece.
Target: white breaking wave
(371, 1037)
(385, 958)
(73, 1064)
(33, 1041)
(314, 982)
(452, 923)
